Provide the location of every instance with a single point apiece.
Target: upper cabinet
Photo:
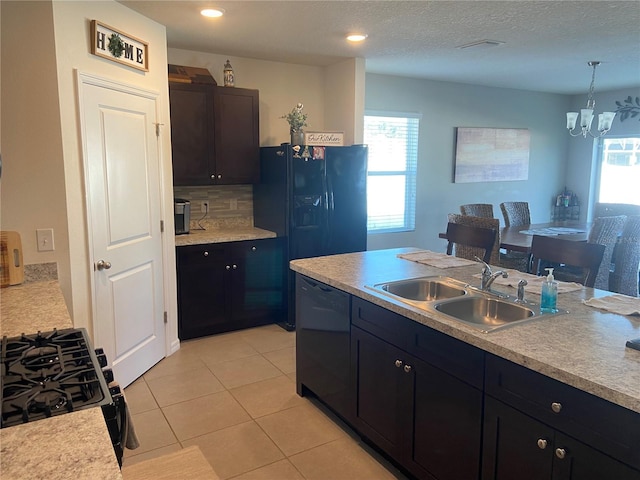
(215, 135)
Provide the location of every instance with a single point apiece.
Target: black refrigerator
(316, 197)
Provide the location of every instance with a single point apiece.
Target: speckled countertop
(585, 348)
(77, 443)
(220, 235)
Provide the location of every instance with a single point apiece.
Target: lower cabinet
(428, 420)
(518, 446)
(228, 286)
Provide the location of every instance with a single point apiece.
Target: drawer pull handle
(560, 453)
(398, 363)
(407, 368)
(556, 407)
(542, 443)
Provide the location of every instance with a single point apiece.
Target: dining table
(518, 238)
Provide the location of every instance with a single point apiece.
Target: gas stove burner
(37, 357)
(47, 401)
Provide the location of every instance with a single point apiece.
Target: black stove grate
(48, 374)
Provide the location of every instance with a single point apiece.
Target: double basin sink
(483, 310)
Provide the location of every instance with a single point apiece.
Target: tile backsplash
(232, 203)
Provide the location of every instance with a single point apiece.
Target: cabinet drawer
(608, 427)
(382, 323)
(457, 358)
(198, 255)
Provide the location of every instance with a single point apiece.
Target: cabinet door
(447, 432)
(383, 392)
(258, 282)
(237, 136)
(192, 138)
(576, 461)
(515, 446)
(203, 283)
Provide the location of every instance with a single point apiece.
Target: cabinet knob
(219, 176)
(560, 453)
(542, 443)
(556, 407)
(206, 254)
(407, 368)
(234, 267)
(253, 249)
(228, 267)
(213, 177)
(398, 363)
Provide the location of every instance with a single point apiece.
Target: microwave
(182, 215)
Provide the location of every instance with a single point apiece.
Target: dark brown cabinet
(424, 417)
(228, 286)
(214, 135)
(538, 428)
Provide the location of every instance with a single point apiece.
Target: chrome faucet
(488, 276)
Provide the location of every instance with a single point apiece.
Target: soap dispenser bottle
(549, 293)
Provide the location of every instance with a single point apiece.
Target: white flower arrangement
(296, 118)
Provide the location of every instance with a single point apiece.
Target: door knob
(102, 265)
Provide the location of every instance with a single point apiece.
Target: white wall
(582, 168)
(445, 106)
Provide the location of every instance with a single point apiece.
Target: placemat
(617, 303)
(551, 231)
(435, 259)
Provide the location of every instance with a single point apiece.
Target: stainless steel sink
(488, 313)
(423, 289)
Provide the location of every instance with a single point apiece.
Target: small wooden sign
(117, 46)
(324, 138)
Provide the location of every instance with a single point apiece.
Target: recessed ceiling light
(212, 12)
(357, 37)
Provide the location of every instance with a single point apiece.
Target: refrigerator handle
(329, 212)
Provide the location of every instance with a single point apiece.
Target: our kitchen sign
(117, 46)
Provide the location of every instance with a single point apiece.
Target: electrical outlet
(204, 207)
(44, 237)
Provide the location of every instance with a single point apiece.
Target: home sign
(117, 46)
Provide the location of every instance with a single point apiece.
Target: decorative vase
(297, 137)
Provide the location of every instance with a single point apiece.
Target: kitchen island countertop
(73, 445)
(584, 348)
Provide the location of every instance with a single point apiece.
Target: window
(391, 177)
(620, 170)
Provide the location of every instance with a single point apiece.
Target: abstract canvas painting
(491, 154)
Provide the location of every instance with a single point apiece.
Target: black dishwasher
(323, 343)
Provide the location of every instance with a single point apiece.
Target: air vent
(481, 44)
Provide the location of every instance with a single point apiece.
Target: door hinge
(165, 317)
(158, 128)
(161, 226)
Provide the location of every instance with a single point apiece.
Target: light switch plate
(44, 237)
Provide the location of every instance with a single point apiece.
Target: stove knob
(102, 357)
(108, 375)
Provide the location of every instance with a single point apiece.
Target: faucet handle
(521, 284)
(486, 265)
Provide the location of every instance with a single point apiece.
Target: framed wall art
(491, 154)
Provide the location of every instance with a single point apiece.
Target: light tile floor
(234, 395)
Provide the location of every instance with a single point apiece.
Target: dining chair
(481, 222)
(614, 209)
(484, 210)
(470, 242)
(513, 260)
(605, 231)
(584, 255)
(515, 213)
(624, 278)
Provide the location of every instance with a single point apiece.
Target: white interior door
(121, 163)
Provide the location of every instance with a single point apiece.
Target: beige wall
(33, 185)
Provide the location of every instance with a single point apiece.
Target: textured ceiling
(547, 44)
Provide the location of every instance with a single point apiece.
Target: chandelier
(586, 114)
